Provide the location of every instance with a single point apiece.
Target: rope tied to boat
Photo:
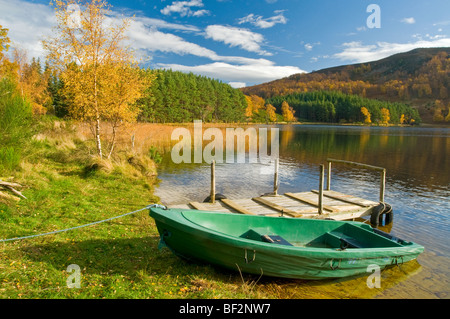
(86, 225)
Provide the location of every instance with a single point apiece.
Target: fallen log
(10, 186)
(16, 192)
(3, 183)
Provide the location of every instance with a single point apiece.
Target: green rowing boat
(280, 246)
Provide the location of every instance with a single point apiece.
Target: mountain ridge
(420, 78)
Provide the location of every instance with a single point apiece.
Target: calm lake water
(417, 161)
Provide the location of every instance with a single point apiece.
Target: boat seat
(344, 241)
(275, 239)
(259, 235)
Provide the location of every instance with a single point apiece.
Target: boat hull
(199, 236)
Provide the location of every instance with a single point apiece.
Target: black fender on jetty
(218, 196)
(380, 211)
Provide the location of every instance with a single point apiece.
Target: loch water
(417, 161)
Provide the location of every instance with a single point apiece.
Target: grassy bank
(67, 187)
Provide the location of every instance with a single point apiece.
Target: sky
(244, 43)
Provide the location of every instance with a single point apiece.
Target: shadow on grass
(123, 256)
(140, 260)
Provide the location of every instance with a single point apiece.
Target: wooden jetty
(321, 203)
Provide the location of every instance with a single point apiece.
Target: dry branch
(3, 183)
(10, 186)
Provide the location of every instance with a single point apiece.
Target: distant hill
(420, 78)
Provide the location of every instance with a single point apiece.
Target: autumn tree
(258, 103)
(4, 42)
(32, 81)
(7, 68)
(447, 118)
(366, 114)
(287, 112)
(249, 108)
(270, 111)
(385, 115)
(87, 49)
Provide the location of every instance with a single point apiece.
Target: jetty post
(321, 178)
(213, 181)
(275, 177)
(382, 185)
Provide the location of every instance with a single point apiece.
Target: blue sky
(251, 42)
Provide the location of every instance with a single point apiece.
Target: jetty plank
(256, 208)
(347, 198)
(237, 207)
(217, 207)
(292, 204)
(311, 202)
(279, 208)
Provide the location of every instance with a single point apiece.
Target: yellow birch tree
(447, 118)
(385, 116)
(270, 111)
(287, 112)
(366, 114)
(249, 109)
(8, 69)
(88, 50)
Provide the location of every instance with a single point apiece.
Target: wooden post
(322, 170)
(376, 168)
(213, 181)
(382, 185)
(275, 178)
(329, 176)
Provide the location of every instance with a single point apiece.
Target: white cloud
(359, 53)
(146, 39)
(28, 23)
(447, 22)
(409, 20)
(237, 85)
(310, 46)
(237, 37)
(184, 8)
(259, 22)
(161, 24)
(200, 13)
(249, 73)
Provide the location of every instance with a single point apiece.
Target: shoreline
(221, 124)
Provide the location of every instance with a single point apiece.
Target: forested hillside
(337, 107)
(420, 78)
(179, 97)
